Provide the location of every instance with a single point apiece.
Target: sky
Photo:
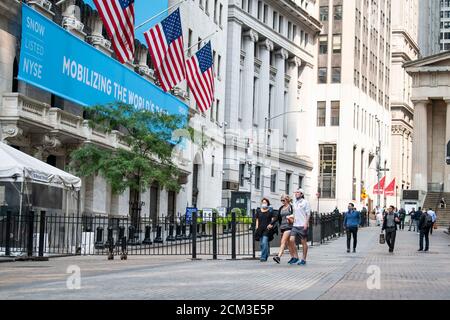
(144, 9)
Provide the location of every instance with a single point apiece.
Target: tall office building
(352, 100)
(444, 39)
(404, 49)
(429, 26)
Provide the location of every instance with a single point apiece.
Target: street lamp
(266, 121)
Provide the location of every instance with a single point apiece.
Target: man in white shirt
(433, 215)
(302, 212)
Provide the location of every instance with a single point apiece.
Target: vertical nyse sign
(54, 60)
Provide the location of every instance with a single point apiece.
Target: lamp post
(266, 122)
(378, 161)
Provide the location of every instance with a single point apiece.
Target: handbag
(382, 239)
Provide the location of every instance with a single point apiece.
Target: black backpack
(428, 221)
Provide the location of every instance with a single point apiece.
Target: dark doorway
(51, 160)
(15, 81)
(171, 205)
(195, 190)
(154, 194)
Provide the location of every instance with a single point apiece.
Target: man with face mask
(390, 221)
(302, 212)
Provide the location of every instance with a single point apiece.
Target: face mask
(264, 206)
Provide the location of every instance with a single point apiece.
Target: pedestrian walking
(284, 212)
(417, 216)
(352, 220)
(425, 225)
(266, 224)
(390, 221)
(443, 204)
(302, 212)
(402, 216)
(379, 216)
(433, 216)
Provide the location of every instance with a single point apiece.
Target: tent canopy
(18, 166)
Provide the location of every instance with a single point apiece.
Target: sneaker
(420, 250)
(354, 250)
(302, 263)
(348, 250)
(293, 261)
(276, 259)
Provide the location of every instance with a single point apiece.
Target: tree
(148, 158)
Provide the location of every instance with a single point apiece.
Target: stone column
(420, 146)
(250, 37)
(281, 56)
(266, 47)
(447, 139)
(294, 105)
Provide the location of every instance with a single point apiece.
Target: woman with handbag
(266, 224)
(285, 226)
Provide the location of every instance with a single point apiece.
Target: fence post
(41, 234)
(311, 226)
(30, 233)
(233, 235)
(214, 234)
(194, 235)
(253, 234)
(8, 234)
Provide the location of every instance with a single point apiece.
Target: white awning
(16, 165)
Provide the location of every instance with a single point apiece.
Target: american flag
(165, 42)
(118, 18)
(200, 77)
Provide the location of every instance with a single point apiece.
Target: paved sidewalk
(331, 273)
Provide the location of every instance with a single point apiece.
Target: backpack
(428, 221)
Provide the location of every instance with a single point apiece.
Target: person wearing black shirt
(266, 225)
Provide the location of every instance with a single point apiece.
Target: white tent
(19, 167)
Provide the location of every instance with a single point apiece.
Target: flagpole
(207, 37)
(158, 14)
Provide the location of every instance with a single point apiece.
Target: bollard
(233, 235)
(148, 232)
(30, 233)
(99, 239)
(121, 235)
(158, 238)
(178, 233)
(170, 237)
(131, 238)
(41, 234)
(8, 234)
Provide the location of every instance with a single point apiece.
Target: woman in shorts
(285, 226)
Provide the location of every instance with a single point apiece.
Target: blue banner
(54, 60)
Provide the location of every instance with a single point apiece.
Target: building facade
(270, 81)
(429, 27)
(353, 121)
(49, 127)
(404, 49)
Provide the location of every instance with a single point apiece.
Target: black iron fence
(39, 233)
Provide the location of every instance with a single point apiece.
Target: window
(335, 109)
(220, 14)
(336, 75)
(217, 110)
(207, 7)
(281, 24)
(300, 181)
(324, 13)
(273, 181)
(258, 177)
(190, 42)
(323, 44)
(289, 31)
(215, 11)
(266, 13)
(322, 75)
(219, 62)
(212, 165)
(338, 13)
(241, 174)
(255, 100)
(321, 113)
(337, 40)
(211, 113)
(288, 183)
(259, 10)
(275, 20)
(327, 170)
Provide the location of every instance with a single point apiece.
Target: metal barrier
(49, 234)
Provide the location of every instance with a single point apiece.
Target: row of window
(322, 113)
(279, 23)
(366, 123)
(324, 13)
(445, 36)
(323, 75)
(274, 185)
(445, 3)
(445, 25)
(445, 14)
(217, 10)
(337, 44)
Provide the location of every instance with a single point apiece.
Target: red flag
(118, 19)
(380, 190)
(389, 191)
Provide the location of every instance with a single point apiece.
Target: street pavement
(331, 273)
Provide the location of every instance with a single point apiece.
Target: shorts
(299, 233)
(284, 230)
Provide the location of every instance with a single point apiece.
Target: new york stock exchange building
(49, 127)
